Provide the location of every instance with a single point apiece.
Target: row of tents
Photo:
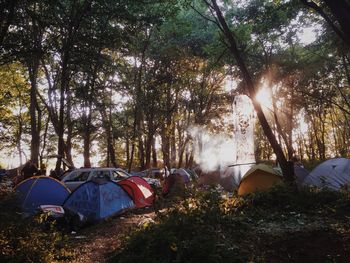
(92, 201)
(333, 174)
(98, 199)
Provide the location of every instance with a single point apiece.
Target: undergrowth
(29, 239)
(209, 227)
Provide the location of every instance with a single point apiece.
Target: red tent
(140, 191)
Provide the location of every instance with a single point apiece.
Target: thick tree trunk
(287, 168)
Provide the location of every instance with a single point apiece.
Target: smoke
(212, 151)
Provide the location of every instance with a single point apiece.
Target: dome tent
(140, 191)
(185, 175)
(96, 200)
(333, 174)
(259, 177)
(40, 190)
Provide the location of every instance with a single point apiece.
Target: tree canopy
(127, 82)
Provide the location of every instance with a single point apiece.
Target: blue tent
(40, 190)
(97, 200)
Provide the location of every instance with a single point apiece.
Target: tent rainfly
(96, 200)
(332, 174)
(140, 191)
(40, 190)
(259, 177)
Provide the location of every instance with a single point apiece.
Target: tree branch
(319, 10)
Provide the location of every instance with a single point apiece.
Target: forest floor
(307, 244)
(97, 243)
(293, 234)
(280, 225)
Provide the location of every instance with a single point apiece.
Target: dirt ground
(96, 243)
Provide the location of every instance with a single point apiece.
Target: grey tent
(333, 174)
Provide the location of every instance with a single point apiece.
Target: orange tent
(258, 178)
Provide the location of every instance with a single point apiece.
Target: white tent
(333, 174)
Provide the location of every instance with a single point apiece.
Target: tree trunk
(131, 157)
(340, 3)
(341, 10)
(148, 151)
(68, 143)
(7, 18)
(34, 129)
(87, 144)
(61, 117)
(154, 153)
(107, 125)
(19, 139)
(165, 147)
(287, 168)
(141, 152)
(149, 140)
(110, 138)
(173, 146)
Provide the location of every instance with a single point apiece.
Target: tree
(250, 89)
(336, 14)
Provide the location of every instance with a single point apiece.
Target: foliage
(212, 227)
(193, 231)
(123, 75)
(29, 239)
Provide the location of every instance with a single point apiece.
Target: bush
(208, 227)
(28, 239)
(307, 200)
(194, 230)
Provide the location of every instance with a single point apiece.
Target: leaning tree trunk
(287, 167)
